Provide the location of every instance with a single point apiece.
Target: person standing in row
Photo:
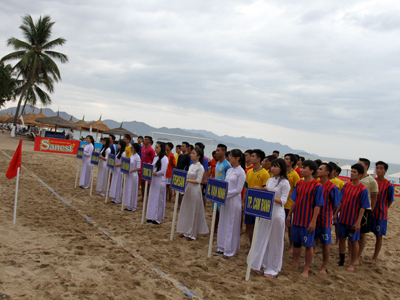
(228, 238)
(127, 139)
(102, 175)
(192, 218)
(270, 240)
(132, 182)
(147, 157)
(156, 204)
(171, 164)
(178, 152)
(86, 170)
(117, 180)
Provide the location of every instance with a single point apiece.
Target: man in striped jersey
(307, 199)
(324, 221)
(354, 202)
(380, 212)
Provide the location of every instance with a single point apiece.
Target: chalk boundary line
(140, 258)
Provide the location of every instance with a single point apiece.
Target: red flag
(15, 162)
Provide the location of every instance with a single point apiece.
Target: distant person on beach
(132, 181)
(276, 153)
(354, 202)
(300, 161)
(213, 163)
(102, 175)
(247, 155)
(372, 186)
(228, 238)
(270, 240)
(206, 173)
(117, 179)
(127, 139)
(70, 135)
(113, 146)
(178, 152)
(86, 169)
(307, 201)
(147, 157)
(324, 221)
(171, 163)
(222, 166)
(191, 218)
(156, 204)
(333, 176)
(257, 176)
(140, 142)
(183, 163)
(380, 212)
(294, 178)
(296, 167)
(267, 163)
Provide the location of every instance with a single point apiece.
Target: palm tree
(7, 84)
(36, 65)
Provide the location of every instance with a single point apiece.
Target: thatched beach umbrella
(96, 126)
(29, 119)
(57, 121)
(4, 117)
(11, 119)
(120, 131)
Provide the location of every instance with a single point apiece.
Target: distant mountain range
(141, 128)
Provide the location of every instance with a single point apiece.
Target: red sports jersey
(386, 195)
(331, 200)
(298, 171)
(306, 196)
(354, 197)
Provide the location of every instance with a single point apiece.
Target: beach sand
(55, 252)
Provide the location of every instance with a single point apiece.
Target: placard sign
(125, 165)
(79, 153)
(111, 161)
(178, 180)
(94, 160)
(216, 190)
(259, 203)
(147, 172)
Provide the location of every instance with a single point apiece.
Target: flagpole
(16, 197)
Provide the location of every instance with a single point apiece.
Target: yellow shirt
(294, 178)
(128, 151)
(258, 178)
(176, 159)
(338, 183)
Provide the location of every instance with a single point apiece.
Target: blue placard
(111, 161)
(79, 154)
(94, 160)
(97, 146)
(178, 180)
(259, 203)
(147, 172)
(125, 165)
(216, 190)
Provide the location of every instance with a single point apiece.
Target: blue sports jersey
(221, 168)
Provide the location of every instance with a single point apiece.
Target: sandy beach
(60, 251)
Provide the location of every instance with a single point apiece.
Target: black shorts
(366, 221)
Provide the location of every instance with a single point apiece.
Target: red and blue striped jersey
(331, 200)
(385, 195)
(306, 196)
(354, 197)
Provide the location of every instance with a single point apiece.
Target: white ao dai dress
(102, 175)
(132, 183)
(86, 170)
(117, 180)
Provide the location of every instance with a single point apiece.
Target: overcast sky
(322, 76)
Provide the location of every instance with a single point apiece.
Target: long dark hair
(199, 153)
(91, 139)
(105, 147)
(160, 155)
(238, 153)
(280, 163)
(136, 147)
(122, 150)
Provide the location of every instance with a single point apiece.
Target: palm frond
(18, 44)
(53, 43)
(62, 57)
(13, 55)
(44, 97)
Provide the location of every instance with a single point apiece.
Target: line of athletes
(312, 196)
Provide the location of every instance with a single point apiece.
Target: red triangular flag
(15, 162)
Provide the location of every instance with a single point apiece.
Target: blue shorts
(300, 235)
(324, 235)
(249, 220)
(378, 227)
(344, 231)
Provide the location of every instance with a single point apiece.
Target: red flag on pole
(15, 162)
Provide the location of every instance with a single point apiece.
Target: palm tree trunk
(23, 108)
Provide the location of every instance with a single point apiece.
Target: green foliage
(7, 84)
(35, 66)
